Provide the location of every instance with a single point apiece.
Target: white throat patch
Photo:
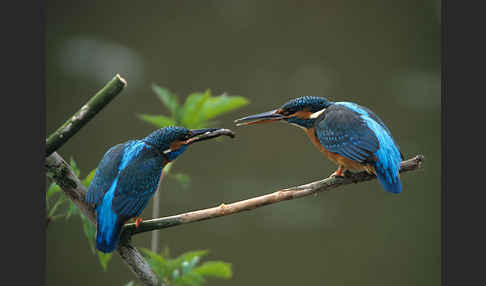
(316, 114)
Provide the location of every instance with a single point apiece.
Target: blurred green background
(381, 54)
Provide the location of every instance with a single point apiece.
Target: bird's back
(357, 133)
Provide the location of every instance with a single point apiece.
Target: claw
(138, 221)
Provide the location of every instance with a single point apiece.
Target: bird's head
(302, 111)
(173, 141)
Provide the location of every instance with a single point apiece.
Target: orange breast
(335, 157)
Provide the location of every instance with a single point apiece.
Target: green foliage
(64, 207)
(57, 204)
(185, 269)
(198, 111)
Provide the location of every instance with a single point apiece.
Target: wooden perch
(256, 202)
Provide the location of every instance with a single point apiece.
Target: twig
(155, 211)
(65, 178)
(249, 204)
(88, 111)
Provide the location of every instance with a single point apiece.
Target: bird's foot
(339, 173)
(138, 221)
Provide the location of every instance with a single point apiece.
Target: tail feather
(109, 225)
(107, 237)
(390, 181)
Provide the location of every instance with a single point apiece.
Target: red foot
(138, 221)
(339, 172)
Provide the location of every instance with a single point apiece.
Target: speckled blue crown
(312, 103)
(163, 137)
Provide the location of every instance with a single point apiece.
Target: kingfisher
(129, 173)
(350, 135)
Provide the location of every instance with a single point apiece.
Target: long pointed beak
(268, 116)
(208, 133)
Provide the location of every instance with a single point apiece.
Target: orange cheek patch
(303, 114)
(175, 145)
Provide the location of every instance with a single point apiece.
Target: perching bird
(350, 135)
(128, 176)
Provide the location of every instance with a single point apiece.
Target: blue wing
(375, 117)
(344, 132)
(137, 183)
(105, 174)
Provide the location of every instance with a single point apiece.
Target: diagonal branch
(84, 115)
(256, 202)
(63, 175)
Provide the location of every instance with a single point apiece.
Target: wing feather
(137, 182)
(343, 131)
(105, 174)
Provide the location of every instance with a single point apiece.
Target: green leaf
(73, 209)
(167, 98)
(192, 109)
(104, 258)
(175, 274)
(154, 256)
(183, 179)
(89, 231)
(218, 105)
(191, 278)
(87, 181)
(60, 201)
(158, 264)
(74, 166)
(52, 190)
(157, 120)
(131, 283)
(218, 269)
(188, 256)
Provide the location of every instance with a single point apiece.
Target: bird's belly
(338, 159)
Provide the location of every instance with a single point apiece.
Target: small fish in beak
(208, 133)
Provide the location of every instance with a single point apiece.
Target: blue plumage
(388, 153)
(128, 175)
(350, 135)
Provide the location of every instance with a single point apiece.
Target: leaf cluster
(185, 270)
(199, 110)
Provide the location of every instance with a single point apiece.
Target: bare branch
(272, 198)
(84, 115)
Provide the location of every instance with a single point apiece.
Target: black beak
(208, 133)
(268, 116)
